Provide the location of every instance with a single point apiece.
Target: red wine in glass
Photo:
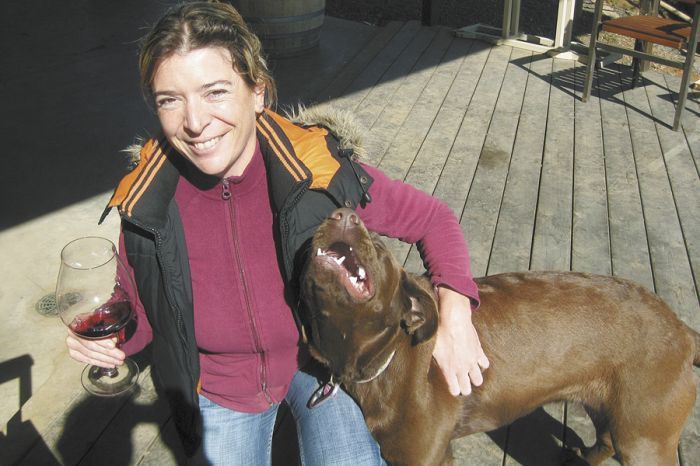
(93, 301)
(103, 321)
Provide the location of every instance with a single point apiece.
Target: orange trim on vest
(134, 184)
(159, 160)
(279, 149)
(311, 148)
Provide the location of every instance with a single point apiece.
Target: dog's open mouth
(340, 258)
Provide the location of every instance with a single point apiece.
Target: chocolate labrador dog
(601, 341)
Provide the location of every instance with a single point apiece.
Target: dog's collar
(381, 369)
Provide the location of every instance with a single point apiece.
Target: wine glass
(92, 300)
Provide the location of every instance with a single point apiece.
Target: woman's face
(207, 111)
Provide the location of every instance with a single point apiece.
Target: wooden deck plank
(392, 123)
(24, 432)
(484, 201)
(476, 89)
(388, 127)
(458, 173)
(303, 77)
(372, 74)
(466, 159)
(630, 253)
(537, 438)
(682, 171)
(338, 85)
(590, 245)
(66, 440)
(413, 141)
(447, 97)
(406, 146)
(512, 240)
(551, 249)
(407, 68)
(433, 160)
(673, 278)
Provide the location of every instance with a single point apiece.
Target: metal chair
(650, 29)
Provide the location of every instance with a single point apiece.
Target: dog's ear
(420, 319)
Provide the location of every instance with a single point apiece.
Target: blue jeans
(333, 433)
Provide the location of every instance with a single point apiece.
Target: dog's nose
(347, 217)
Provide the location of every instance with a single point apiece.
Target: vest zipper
(226, 196)
(180, 320)
(284, 229)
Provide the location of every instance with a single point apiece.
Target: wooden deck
(539, 181)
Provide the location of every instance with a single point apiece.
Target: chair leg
(590, 66)
(683, 92)
(687, 70)
(590, 69)
(636, 64)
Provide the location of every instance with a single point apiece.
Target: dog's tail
(696, 339)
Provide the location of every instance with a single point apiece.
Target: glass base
(110, 382)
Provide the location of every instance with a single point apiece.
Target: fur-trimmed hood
(342, 123)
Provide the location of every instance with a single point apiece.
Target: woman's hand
(457, 348)
(102, 352)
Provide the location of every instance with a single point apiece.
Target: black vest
(309, 176)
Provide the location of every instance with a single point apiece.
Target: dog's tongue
(343, 250)
(352, 274)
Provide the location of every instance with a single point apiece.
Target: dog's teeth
(353, 280)
(320, 252)
(361, 273)
(340, 261)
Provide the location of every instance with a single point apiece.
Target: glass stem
(113, 371)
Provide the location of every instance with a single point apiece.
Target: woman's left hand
(458, 350)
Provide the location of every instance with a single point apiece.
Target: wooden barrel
(285, 27)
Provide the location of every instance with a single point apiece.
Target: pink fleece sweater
(245, 331)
